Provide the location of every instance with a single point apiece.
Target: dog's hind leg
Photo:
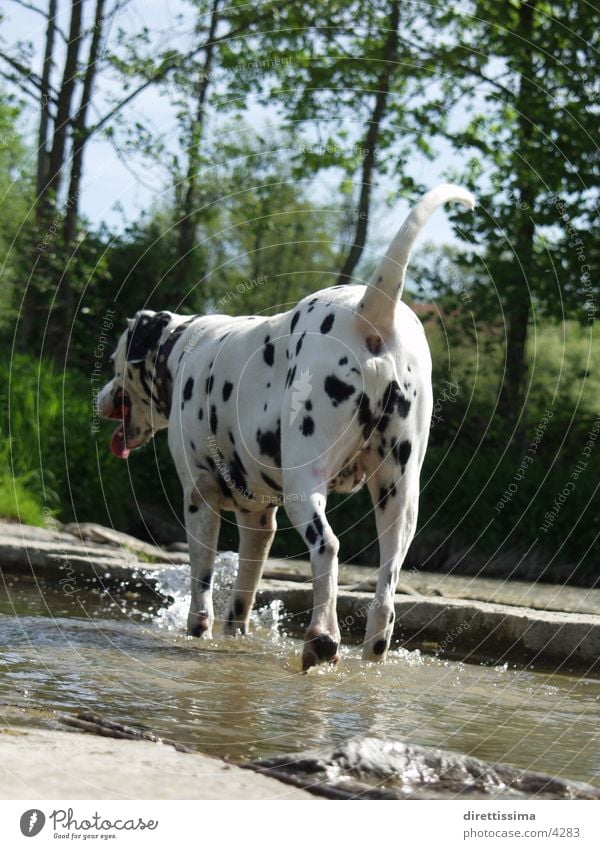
(395, 496)
(306, 510)
(256, 535)
(202, 522)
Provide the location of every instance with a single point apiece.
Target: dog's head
(133, 396)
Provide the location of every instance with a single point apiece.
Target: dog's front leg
(256, 535)
(202, 522)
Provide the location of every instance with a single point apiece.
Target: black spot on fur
(308, 426)
(401, 452)
(188, 389)
(385, 493)
(192, 445)
(270, 482)
(365, 415)
(213, 419)
(231, 438)
(394, 401)
(290, 376)
(311, 534)
(269, 351)
(227, 390)
(225, 491)
(299, 343)
(193, 508)
(201, 413)
(270, 443)
(337, 390)
(308, 406)
(205, 581)
(343, 361)
(379, 647)
(382, 423)
(294, 321)
(145, 335)
(327, 323)
(209, 383)
(238, 472)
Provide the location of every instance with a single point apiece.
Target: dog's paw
(319, 647)
(375, 650)
(199, 625)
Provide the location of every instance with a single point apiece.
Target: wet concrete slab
(43, 764)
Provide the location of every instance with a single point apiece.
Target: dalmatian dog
(264, 412)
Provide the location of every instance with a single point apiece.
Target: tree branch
(167, 69)
(41, 12)
(23, 70)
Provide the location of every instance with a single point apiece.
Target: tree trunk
(63, 107)
(518, 307)
(30, 300)
(189, 215)
(37, 302)
(64, 315)
(390, 51)
(80, 133)
(44, 125)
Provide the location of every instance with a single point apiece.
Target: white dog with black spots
(263, 412)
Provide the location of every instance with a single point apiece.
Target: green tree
(342, 75)
(530, 77)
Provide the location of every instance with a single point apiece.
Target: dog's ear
(144, 334)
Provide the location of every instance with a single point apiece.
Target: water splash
(270, 617)
(174, 582)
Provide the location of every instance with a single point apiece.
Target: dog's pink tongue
(117, 443)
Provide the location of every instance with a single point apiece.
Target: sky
(119, 185)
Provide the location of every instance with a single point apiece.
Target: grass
(19, 503)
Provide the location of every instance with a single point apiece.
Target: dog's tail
(385, 287)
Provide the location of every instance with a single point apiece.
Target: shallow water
(132, 662)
